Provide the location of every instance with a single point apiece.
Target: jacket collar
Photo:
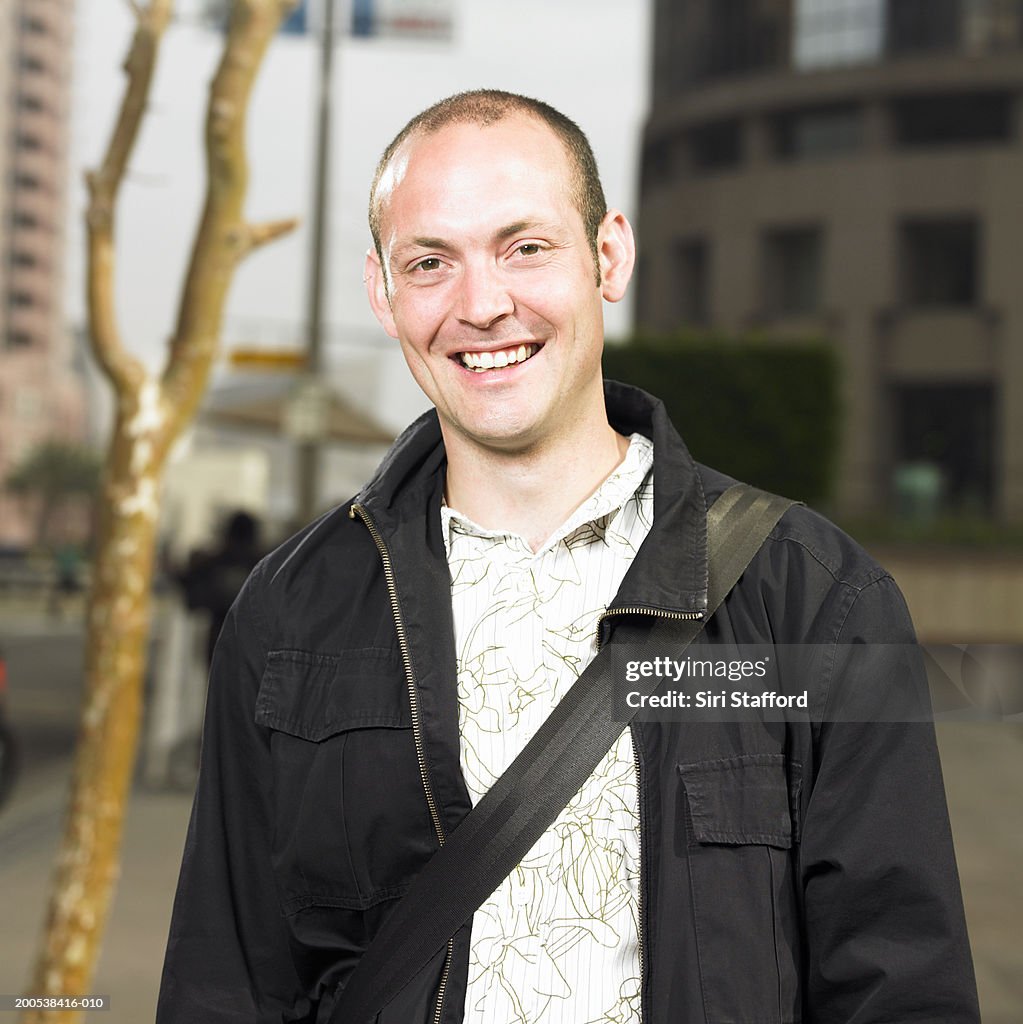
(669, 572)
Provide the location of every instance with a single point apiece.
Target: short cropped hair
(485, 107)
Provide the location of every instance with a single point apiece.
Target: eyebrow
(431, 242)
(517, 227)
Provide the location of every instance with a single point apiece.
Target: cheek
(572, 313)
(560, 296)
(415, 358)
(418, 316)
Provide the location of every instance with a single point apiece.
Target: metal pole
(309, 451)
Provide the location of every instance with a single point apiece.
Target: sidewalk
(982, 763)
(129, 969)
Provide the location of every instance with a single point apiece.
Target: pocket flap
(314, 696)
(740, 800)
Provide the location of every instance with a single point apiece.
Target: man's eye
(430, 263)
(529, 248)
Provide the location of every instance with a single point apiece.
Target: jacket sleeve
(227, 953)
(885, 931)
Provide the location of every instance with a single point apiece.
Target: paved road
(44, 687)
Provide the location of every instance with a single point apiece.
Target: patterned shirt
(558, 940)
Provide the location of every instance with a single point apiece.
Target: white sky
(586, 57)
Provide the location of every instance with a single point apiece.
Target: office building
(853, 169)
(40, 396)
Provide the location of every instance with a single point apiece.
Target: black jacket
(330, 765)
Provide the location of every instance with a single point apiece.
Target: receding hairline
(390, 171)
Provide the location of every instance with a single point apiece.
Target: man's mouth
(480, 362)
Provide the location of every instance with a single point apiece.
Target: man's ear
(376, 290)
(616, 250)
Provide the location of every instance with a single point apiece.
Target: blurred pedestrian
(212, 579)
(66, 582)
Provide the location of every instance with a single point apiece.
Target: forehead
(512, 169)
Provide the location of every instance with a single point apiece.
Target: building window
(824, 131)
(793, 271)
(950, 431)
(363, 18)
(971, 118)
(657, 163)
(24, 219)
(22, 299)
(19, 339)
(20, 258)
(31, 102)
(692, 275)
(27, 181)
(975, 26)
(922, 26)
(990, 26)
(941, 262)
(29, 143)
(29, 62)
(740, 36)
(832, 33)
(716, 146)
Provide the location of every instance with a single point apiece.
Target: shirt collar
(608, 499)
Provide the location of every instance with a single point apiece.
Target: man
(381, 670)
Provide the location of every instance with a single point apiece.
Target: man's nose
(484, 296)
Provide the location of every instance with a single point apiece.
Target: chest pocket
(351, 825)
(741, 826)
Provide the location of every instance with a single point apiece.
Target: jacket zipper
(641, 908)
(657, 613)
(360, 512)
(640, 905)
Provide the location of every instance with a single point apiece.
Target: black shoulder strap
(501, 829)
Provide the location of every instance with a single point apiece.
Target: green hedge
(762, 410)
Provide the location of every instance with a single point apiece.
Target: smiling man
(493, 255)
(382, 669)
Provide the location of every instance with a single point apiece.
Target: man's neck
(532, 493)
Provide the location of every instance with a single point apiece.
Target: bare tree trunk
(151, 414)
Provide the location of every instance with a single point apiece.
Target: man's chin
(508, 438)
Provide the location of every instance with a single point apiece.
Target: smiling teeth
(480, 361)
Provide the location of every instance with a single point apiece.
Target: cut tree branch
(255, 235)
(224, 237)
(124, 371)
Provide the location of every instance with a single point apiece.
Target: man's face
(490, 283)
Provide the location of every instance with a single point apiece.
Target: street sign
(269, 359)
